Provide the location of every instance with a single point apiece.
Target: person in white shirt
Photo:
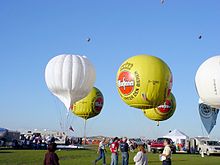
(101, 151)
(141, 157)
(166, 155)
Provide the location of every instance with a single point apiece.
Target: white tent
(177, 136)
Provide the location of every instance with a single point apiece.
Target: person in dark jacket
(51, 157)
(124, 151)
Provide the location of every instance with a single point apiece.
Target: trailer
(9, 138)
(194, 144)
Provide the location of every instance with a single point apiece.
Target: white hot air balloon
(70, 77)
(208, 81)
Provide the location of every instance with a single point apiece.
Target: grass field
(86, 157)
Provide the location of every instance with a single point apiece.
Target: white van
(209, 147)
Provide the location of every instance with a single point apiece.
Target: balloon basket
(158, 123)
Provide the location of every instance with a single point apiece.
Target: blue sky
(32, 32)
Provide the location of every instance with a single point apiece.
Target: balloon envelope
(70, 77)
(162, 112)
(208, 116)
(90, 106)
(207, 81)
(144, 81)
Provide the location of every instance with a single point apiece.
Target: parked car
(209, 147)
(138, 141)
(158, 146)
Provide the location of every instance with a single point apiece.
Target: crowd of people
(116, 146)
(37, 141)
(34, 141)
(122, 145)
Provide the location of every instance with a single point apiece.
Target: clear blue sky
(32, 32)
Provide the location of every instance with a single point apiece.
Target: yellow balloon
(162, 112)
(144, 81)
(90, 106)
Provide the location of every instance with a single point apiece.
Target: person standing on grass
(114, 150)
(141, 157)
(130, 144)
(101, 151)
(166, 155)
(124, 151)
(51, 157)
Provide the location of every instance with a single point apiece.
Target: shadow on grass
(156, 161)
(214, 155)
(5, 152)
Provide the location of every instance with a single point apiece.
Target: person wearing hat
(124, 151)
(101, 151)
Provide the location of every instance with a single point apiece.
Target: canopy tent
(179, 138)
(175, 135)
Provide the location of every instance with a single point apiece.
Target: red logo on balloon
(98, 104)
(125, 82)
(170, 85)
(166, 107)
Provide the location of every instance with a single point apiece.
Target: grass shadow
(5, 152)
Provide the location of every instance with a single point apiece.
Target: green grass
(85, 157)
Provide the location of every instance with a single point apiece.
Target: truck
(158, 146)
(9, 137)
(209, 147)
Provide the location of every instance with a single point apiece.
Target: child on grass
(51, 157)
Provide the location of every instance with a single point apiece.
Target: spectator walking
(101, 151)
